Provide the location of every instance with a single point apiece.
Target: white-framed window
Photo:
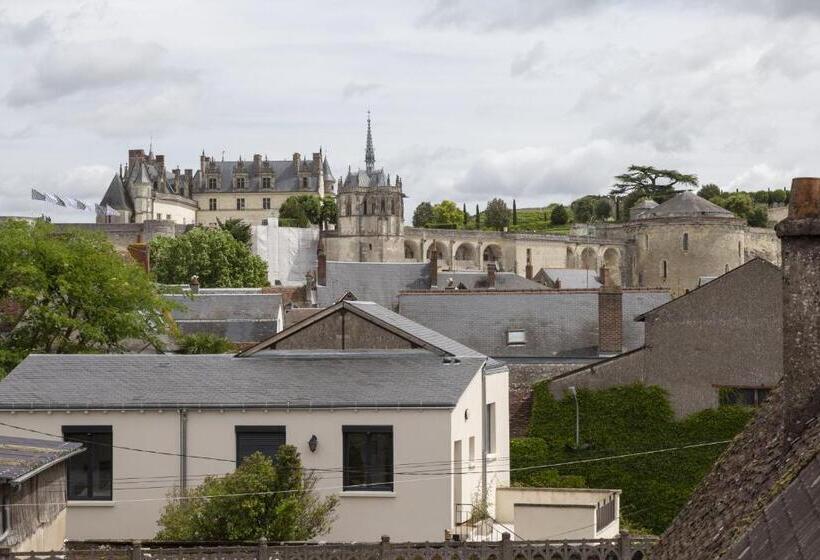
(211, 204)
(240, 203)
(489, 428)
(266, 183)
(516, 337)
(211, 183)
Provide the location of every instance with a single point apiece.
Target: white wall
(179, 213)
(289, 252)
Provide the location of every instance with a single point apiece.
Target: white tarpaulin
(289, 252)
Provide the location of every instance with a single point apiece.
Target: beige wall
(47, 537)
(538, 522)
(226, 206)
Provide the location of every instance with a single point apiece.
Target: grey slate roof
(569, 278)
(270, 379)
(377, 282)
(115, 196)
(239, 317)
(365, 179)
(286, 178)
(478, 280)
(684, 205)
(558, 323)
(21, 456)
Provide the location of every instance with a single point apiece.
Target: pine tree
(515, 214)
(477, 217)
(464, 212)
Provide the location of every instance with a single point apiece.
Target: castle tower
(141, 189)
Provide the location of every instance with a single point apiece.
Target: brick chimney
(800, 238)
(434, 268)
(321, 268)
(317, 162)
(610, 316)
(297, 161)
(491, 275)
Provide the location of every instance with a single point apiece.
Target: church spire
(369, 154)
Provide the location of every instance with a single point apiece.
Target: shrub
(204, 343)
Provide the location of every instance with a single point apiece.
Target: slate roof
(558, 323)
(286, 178)
(239, 317)
(269, 379)
(377, 282)
(570, 278)
(366, 179)
(478, 281)
(116, 197)
(22, 456)
(685, 205)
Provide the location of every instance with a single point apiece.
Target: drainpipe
(183, 449)
(484, 433)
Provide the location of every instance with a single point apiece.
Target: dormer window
(211, 183)
(266, 183)
(240, 183)
(304, 182)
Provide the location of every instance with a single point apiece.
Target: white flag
(110, 211)
(74, 203)
(54, 199)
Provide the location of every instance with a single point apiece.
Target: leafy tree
(240, 230)
(303, 209)
(761, 197)
(758, 217)
(559, 215)
(71, 292)
(583, 209)
(602, 209)
(423, 215)
(446, 212)
(514, 214)
(779, 196)
(204, 343)
(329, 213)
(497, 215)
(648, 181)
(274, 499)
(214, 255)
(740, 204)
(709, 191)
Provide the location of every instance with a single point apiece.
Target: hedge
(622, 420)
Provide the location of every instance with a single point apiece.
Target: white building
(401, 402)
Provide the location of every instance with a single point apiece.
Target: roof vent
(447, 360)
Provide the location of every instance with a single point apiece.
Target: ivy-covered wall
(618, 421)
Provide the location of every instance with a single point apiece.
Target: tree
(559, 215)
(71, 292)
(779, 196)
(583, 209)
(761, 197)
(304, 209)
(709, 191)
(739, 203)
(237, 228)
(603, 210)
(446, 212)
(204, 343)
(275, 499)
(423, 215)
(514, 214)
(648, 181)
(214, 255)
(497, 215)
(329, 213)
(477, 217)
(465, 214)
(759, 217)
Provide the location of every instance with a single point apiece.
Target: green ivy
(617, 421)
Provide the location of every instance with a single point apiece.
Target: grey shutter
(266, 439)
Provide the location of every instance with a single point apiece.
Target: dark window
(90, 472)
(5, 517)
(212, 183)
(266, 203)
(685, 241)
(240, 182)
(664, 270)
(368, 458)
(383, 208)
(240, 203)
(265, 182)
(250, 439)
(304, 182)
(742, 396)
(211, 204)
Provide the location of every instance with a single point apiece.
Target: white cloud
(528, 62)
(762, 176)
(359, 89)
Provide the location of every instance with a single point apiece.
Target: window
(159, 216)
(347, 207)
(240, 183)
(383, 206)
(90, 472)
(741, 395)
(266, 439)
(167, 216)
(211, 204)
(266, 182)
(212, 183)
(489, 433)
(739, 250)
(664, 270)
(240, 203)
(5, 518)
(368, 458)
(471, 449)
(516, 338)
(685, 241)
(304, 183)
(266, 203)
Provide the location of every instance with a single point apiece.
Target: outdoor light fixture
(312, 443)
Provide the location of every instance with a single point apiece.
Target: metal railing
(605, 512)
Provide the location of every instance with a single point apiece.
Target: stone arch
(589, 260)
(441, 249)
(410, 249)
(612, 260)
(571, 258)
(465, 252)
(492, 253)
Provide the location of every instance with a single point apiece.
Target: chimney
(528, 268)
(491, 275)
(434, 267)
(297, 161)
(800, 238)
(317, 162)
(321, 268)
(610, 316)
(257, 160)
(194, 284)
(160, 160)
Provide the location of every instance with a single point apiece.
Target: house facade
(358, 381)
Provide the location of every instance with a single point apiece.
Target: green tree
(71, 292)
(329, 213)
(709, 191)
(303, 209)
(275, 499)
(739, 203)
(497, 215)
(758, 217)
(214, 255)
(446, 212)
(603, 210)
(648, 181)
(240, 230)
(559, 215)
(423, 215)
(514, 214)
(583, 209)
(761, 197)
(465, 214)
(477, 217)
(204, 343)
(779, 196)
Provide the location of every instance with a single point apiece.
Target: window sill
(366, 494)
(90, 503)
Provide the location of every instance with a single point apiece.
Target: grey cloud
(357, 89)
(528, 62)
(25, 34)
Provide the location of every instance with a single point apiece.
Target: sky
(535, 100)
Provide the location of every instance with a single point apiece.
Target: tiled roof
(686, 204)
(377, 282)
(221, 306)
(286, 178)
(21, 456)
(268, 379)
(570, 278)
(478, 280)
(115, 196)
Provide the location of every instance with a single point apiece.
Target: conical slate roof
(686, 205)
(141, 175)
(115, 196)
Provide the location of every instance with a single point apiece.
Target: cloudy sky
(538, 100)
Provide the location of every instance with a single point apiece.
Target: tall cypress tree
(464, 212)
(515, 214)
(477, 217)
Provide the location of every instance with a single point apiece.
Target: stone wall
(123, 235)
